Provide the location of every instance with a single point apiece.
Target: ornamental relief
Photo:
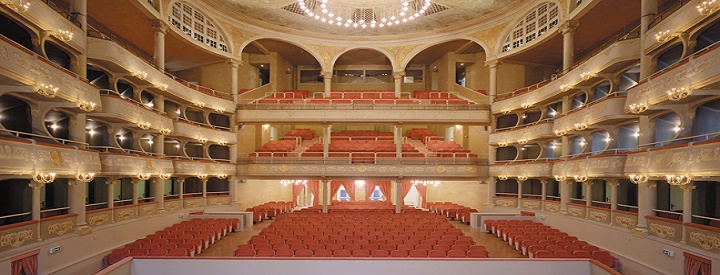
(662, 231)
(172, 206)
(552, 207)
(491, 37)
(14, 153)
(16, 239)
(577, 212)
(505, 203)
(193, 204)
(327, 53)
(219, 201)
(531, 204)
(70, 85)
(598, 216)
(98, 220)
(626, 222)
(125, 214)
(705, 241)
(60, 228)
(4, 54)
(147, 210)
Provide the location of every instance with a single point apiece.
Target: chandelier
(293, 182)
(361, 15)
(426, 182)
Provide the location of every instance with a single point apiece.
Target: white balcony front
(530, 169)
(693, 159)
(198, 132)
(327, 113)
(539, 131)
(607, 111)
(200, 167)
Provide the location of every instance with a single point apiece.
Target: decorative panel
(134, 113)
(704, 237)
(624, 219)
(533, 204)
(193, 131)
(57, 226)
(99, 217)
(505, 202)
(698, 159)
(665, 228)
(541, 130)
(19, 234)
(551, 206)
(192, 168)
(607, 109)
(598, 214)
(20, 156)
(193, 203)
(537, 169)
(121, 164)
(365, 171)
(173, 205)
(147, 209)
(471, 117)
(123, 213)
(218, 200)
(595, 166)
(576, 210)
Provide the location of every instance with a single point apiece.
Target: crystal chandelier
(357, 14)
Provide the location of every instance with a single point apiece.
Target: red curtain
(334, 187)
(314, 188)
(369, 188)
(27, 265)
(422, 189)
(350, 189)
(297, 189)
(406, 186)
(696, 265)
(385, 188)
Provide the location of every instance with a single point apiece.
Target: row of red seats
(290, 94)
(364, 94)
(542, 241)
(245, 252)
(433, 94)
(185, 239)
(421, 134)
(364, 133)
(269, 210)
(452, 210)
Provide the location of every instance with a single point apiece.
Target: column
(519, 194)
(326, 195)
(158, 187)
(647, 200)
(159, 102)
(398, 82)
(565, 152)
(491, 192)
(234, 86)
(646, 130)
(564, 194)
(327, 79)
(543, 193)
(36, 199)
(76, 200)
(159, 30)
(649, 9)
(614, 183)
(566, 106)
(158, 145)
(135, 191)
(398, 197)
(204, 190)
(326, 140)
(77, 127)
(398, 140)
(232, 187)
(567, 30)
(492, 89)
(687, 201)
(181, 187)
(110, 182)
(588, 196)
(78, 8)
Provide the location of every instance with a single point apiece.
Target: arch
(382, 51)
(99, 76)
(518, 32)
(15, 113)
(667, 127)
(705, 121)
(97, 133)
(307, 49)
(126, 92)
(709, 35)
(57, 124)
(125, 138)
(412, 54)
(212, 34)
(599, 142)
(16, 32)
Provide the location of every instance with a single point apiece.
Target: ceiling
(458, 12)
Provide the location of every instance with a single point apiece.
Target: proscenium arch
(562, 16)
(387, 55)
(404, 63)
(221, 31)
(307, 49)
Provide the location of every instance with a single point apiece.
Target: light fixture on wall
(503, 177)
(579, 178)
(222, 143)
(144, 125)
(47, 90)
(161, 86)
(44, 178)
(637, 108)
(678, 179)
(664, 36)
(503, 144)
(560, 178)
(64, 35)
(293, 182)
(676, 94)
(202, 176)
(165, 131)
(526, 105)
(220, 110)
(144, 176)
(222, 176)
(708, 7)
(522, 178)
(566, 87)
(202, 140)
(199, 104)
(16, 5)
(638, 179)
(522, 141)
(164, 176)
(86, 106)
(586, 75)
(426, 182)
(140, 74)
(579, 126)
(85, 177)
(379, 15)
(505, 111)
(560, 132)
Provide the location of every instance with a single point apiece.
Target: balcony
(197, 167)
(113, 56)
(617, 55)
(196, 131)
(677, 83)
(531, 168)
(124, 110)
(128, 164)
(52, 21)
(606, 111)
(26, 157)
(388, 168)
(610, 164)
(365, 113)
(676, 20)
(537, 131)
(696, 159)
(30, 70)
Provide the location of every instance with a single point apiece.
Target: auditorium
(359, 136)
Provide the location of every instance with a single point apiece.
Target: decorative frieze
(376, 170)
(532, 132)
(18, 156)
(575, 210)
(173, 205)
(99, 217)
(609, 108)
(193, 203)
(192, 168)
(389, 115)
(552, 206)
(530, 204)
(506, 202)
(599, 215)
(124, 213)
(134, 113)
(624, 219)
(531, 169)
(120, 164)
(17, 235)
(598, 166)
(695, 160)
(218, 201)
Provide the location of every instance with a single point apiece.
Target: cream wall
(478, 75)
(255, 192)
(507, 77)
(466, 193)
(477, 140)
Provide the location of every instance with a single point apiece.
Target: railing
(629, 207)
(523, 161)
(668, 214)
(192, 195)
(113, 149)
(122, 202)
(678, 63)
(659, 145)
(370, 160)
(116, 94)
(525, 125)
(218, 193)
(95, 206)
(709, 220)
(586, 105)
(666, 10)
(202, 124)
(51, 212)
(630, 31)
(24, 135)
(361, 106)
(15, 215)
(506, 194)
(63, 9)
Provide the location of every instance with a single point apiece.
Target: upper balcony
(607, 111)
(28, 157)
(680, 83)
(694, 159)
(537, 131)
(113, 56)
(197, 131)
(41, 76)
(617, 55)
(55, 20)
(119, 109)
(590, 165)
(674, 19)
(131, 164)
(540, 168)
(199, 167)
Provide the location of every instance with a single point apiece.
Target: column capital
(159, 25)
(589, 183)
(326, 74)
(492, 64)
(135, 181)
(651, 184)
(613, 182)
(688, 186)
(35, 185)
(398, 75)
(235, 63)
(568, 26)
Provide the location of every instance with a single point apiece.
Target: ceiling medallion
(360, 14)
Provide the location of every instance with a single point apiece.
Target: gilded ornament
(705, 241)
(16, 239)
(56, 157)
(99, 220)
(60, 228)
(662, 231)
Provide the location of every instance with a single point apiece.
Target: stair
(304, 145)
(420, 147)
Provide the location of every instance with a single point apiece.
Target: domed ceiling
(439, 15)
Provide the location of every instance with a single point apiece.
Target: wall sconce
(522, 141)
(86, 106)
(708, 7)
(47, 90)
(222, 176)
(579, 126)
(44, 178)
(637, 179)
(580, 178)
(560, 132)
(678, 180)
(503, 144)
(144, 176)
(199, 104)
(522, 178)
(16, 5)
(360, 182)
(64, 35)
(165, 131)
(566, 87)
(526, 105)
(163, 87)
(587, 76)
(638, 108)
(85, 177)
(676, 94)
(222, 143)
(202, 176)
(140, 74)
(502, 177)
(663, 36)
(505, 111)
(560, 178)
(144, 125)
(164, 176)
(202, 140)
(220, 110)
